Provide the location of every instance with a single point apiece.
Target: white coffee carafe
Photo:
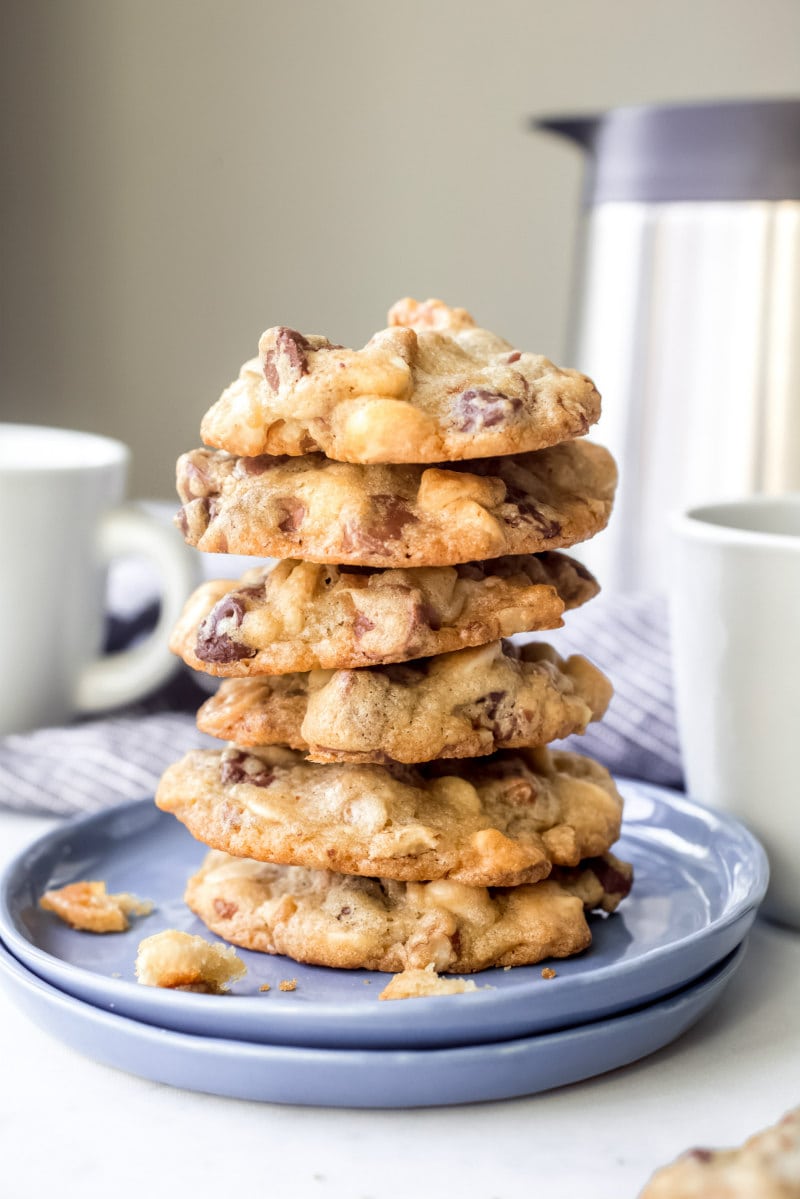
(689, 312)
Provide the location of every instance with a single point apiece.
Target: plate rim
(722, 970)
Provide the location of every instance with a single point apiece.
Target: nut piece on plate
(89, 907)
(767, 1166)
(182, 962)
(420, 984)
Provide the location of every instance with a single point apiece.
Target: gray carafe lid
(729, 150)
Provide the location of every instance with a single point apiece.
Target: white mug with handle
(60, 524)
(735, 608)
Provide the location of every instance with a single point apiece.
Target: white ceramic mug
(60, 524)
(735, 608)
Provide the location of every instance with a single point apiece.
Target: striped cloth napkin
(97, 763)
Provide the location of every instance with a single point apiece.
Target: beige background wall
(180, 175)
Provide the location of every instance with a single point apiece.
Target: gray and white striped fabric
(627, 636)
(98, 763)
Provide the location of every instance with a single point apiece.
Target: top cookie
(433, 387)
(387, 516)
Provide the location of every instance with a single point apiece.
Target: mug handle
(123, 677)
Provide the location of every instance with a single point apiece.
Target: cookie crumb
(419, 984)
(548, 972)
(265, 987)
(116, 974)
(89, 907)
(288, 984)
(179, 961)
(506, 969)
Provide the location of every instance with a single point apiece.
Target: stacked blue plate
(654, 968)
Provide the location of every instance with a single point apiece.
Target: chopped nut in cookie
(88, 906)
(181, 962)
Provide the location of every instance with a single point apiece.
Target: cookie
(303, 616)
(497, 821)
(182, 962)
(457, 705)
(767, 1166)
(433, 387)
(339, 920)
(337, 512)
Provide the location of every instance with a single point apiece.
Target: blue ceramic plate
(699, 879)
(362, 1077)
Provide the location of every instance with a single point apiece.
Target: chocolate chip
(362, 624)
(613, 881)
(214, 645)
(260, 464)
(393, 516)
(271, 369)
(224, 909)
(345, 911)
(294, 346)
(290, 349)
(230, 608)
(389, 519)
(497, 715)
(426, 614)
(700, 1155)
(523, 511)
(232, 770)
(295, 512)
(480, 409)
(514, 356)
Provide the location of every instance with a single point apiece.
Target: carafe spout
(578, 129)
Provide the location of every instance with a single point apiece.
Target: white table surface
(74, 1128)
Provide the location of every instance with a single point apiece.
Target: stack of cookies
(386, 798)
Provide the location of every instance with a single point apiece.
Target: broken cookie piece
(89, 907)
(419, 984)
(181, 962)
